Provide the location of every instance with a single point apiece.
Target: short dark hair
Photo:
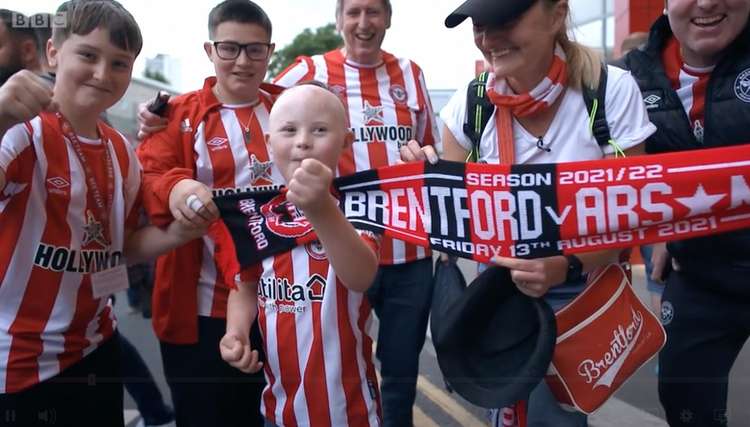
(243, 11)
(11, 20)
(84, 16)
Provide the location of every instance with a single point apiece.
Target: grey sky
(178, 28)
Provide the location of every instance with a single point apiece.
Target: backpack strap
(595, 102)
(479, 109)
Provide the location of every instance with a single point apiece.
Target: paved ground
(635, 404)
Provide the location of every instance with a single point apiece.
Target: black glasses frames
(231, 50)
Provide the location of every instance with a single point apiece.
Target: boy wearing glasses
(213, 144)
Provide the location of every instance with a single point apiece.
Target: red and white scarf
(510, 104)
(690, 83)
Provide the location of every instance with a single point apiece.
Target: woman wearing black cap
(536, 81)
(695, 73)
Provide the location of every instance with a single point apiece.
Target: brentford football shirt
(388, 105)
(53, 238)
(318, 350)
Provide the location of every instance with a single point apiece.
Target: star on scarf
(93, 231)
(259, 170)
(372, 113)
(700, 202)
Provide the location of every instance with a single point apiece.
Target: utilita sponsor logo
(604, 370)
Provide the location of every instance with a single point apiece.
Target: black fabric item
(449, 285)
(494, 344)
(594, 100)
(87, 394)
(479, 106)
(702, 325)
(206, 391)
(400, 296)
(488, 12)
(726, 119)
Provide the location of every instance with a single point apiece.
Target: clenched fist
(309, 188)
(22, 98)
(236, 351)
(191, 204)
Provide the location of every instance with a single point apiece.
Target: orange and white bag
(603, 337)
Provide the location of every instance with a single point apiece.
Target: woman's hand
(413, 152)
(534, 277)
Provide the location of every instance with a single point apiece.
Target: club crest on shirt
(284, 219)
(372, 115)
(316, 250)
(667, 313)
(398, 93)
(259, 169)
(93, 231)
(742, 86)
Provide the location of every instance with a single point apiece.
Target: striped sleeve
(132, 188)
(427, 132)
(15, 141)
(300, 70)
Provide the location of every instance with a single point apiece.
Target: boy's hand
(192, 205)
(23, 97)
(413, 152)
(236, 351)
(309, 188)
(149, 122)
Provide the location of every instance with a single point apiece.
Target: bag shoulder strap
(595, 101)
(479, 109)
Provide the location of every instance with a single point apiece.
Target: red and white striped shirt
(227, 164)
(388, 105)
(227, 152)
(49, 319)
(690, 83)
(318, 350)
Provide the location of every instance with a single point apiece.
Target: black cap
(488, 12)
(494, 344)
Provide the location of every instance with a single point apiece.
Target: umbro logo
(217, 143)
(58, 182)
(57, 185)
(652, 101)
